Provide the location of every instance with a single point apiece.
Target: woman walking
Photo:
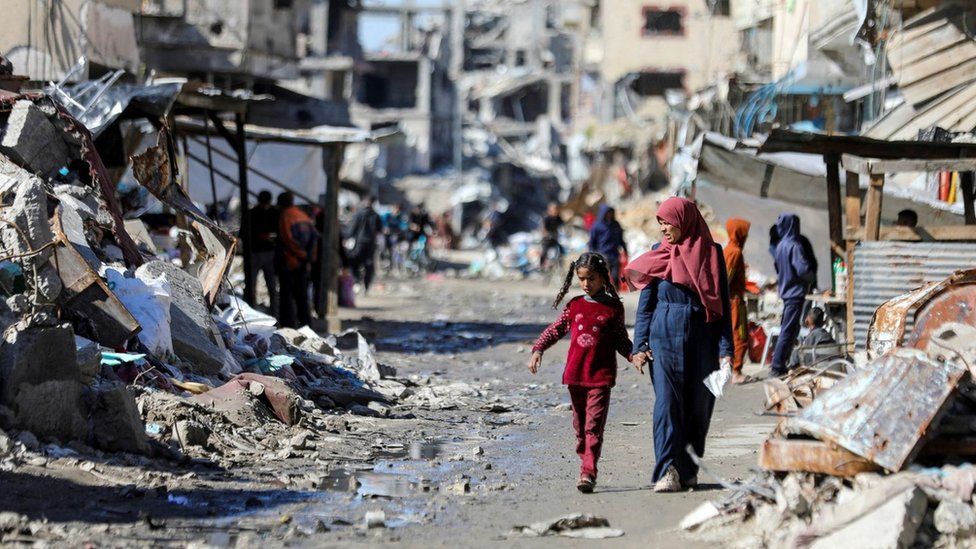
(735, 265)
(683, 326)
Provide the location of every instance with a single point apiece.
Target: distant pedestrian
(796, 275)
(264, 234)
(445, 231)
(607, 239)
(684, 329)
(735, 266)
(595, 324)
(551, 224)
(297, 250)
(365, 229)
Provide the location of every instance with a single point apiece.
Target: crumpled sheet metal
(891, 320)
(155, 171)
(884, 411)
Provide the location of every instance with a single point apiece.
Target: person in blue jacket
(796, 274)
(607, 239)
(683, 327)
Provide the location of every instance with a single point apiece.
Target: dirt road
(535, 453)
(478, 446)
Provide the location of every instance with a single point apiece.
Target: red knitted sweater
(597, 331)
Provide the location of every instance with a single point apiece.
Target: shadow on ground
(445, 337)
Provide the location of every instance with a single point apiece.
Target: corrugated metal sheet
(884, 270)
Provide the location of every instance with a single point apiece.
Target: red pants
(590, 407)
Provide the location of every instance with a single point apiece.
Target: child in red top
(595, 323)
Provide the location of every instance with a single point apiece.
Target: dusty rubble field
(481, 447)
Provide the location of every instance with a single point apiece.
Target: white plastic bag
(717, 380)
(149, 302)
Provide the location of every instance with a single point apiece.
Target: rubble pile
(109, 347)
(870, 456)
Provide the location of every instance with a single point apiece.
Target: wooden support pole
(852, 202)
(245, 231)
(966, 182)
(852, 215)
(834, 205)
(872, 216)
(328, 306)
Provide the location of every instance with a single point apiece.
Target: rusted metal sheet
(155, 171)
(884, 411)
(909, 319)
(811, 456)
(86, 297)
(885, 270)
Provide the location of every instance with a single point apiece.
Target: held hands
(639, 359)
(535, 362)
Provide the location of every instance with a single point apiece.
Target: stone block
(196, 338)
(892, 525)
(955, 518)
(32, 141)
(115, 422)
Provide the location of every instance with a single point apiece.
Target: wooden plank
(811, 456)
(966, 184)
(872, 215)
(780, 140)
(852, 201)
(945, 80)
(901, 38)
(945, 112)
(923, 46)
(936, 63)
(891, 122)
(834, 219)
(936, 233)
(874, 166)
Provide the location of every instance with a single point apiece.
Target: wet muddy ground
(492, 449)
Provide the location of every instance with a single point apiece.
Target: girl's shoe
(670, 482)
(585, 484)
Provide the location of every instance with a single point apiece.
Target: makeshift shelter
(849, 227)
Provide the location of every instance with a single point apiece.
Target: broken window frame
(663, 10)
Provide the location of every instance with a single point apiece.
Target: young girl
(595, 322)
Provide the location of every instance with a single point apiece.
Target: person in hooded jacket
(796, 275)
(684, 328)
(607, 239)
(735, 265)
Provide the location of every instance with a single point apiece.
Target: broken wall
(44, 42)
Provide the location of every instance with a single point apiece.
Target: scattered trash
(573, 526)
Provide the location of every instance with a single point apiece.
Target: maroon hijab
(694, 262)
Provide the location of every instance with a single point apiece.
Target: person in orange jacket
(735, 264)
(297, 250)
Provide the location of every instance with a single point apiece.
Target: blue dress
(686, 349)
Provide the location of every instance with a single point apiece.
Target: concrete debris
(573, 526)
(955, 518)
(892, 525)
(115, 422)
(41, 382)
(374, 519)
(196, 338)
(32, 141)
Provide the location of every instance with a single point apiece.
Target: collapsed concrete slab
(40, 382)
(196, 338)
(32, 141)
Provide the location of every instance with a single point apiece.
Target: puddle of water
(373, 484)
(416, 451)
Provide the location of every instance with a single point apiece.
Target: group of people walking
(285, 252)
(690, 322)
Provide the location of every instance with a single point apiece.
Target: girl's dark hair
(594, 262)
